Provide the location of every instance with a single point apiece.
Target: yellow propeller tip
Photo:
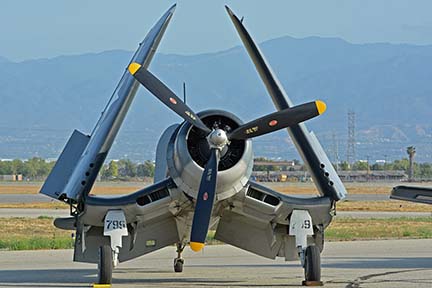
(321, 106)
(196, 246)
(133, 68)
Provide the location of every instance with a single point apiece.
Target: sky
(47, 28)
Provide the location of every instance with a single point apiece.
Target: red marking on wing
(273, 123)
(205, 196)
(173, 101)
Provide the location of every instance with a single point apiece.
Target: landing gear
(178, 262)
(105, 265)
(301, 227)
(312, 267)
(178, 265)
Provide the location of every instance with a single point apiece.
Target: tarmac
(384, 263)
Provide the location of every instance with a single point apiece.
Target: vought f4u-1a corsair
(202, 179)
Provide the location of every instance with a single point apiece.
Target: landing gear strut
(178, 262)
(105, 265)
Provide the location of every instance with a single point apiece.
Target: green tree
(146, 169)
(360, 166)
(344, 166)
(424, 171)
(36, 168)
(126, 168)
(4, 168)
(377, 166)
(16, 166)
(402, 164)
(111, 170)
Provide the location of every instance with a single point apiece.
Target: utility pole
(351, 153)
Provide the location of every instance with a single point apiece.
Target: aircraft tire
(178, 265)
(312, 264)
(105, 265)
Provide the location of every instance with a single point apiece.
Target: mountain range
(388, 86)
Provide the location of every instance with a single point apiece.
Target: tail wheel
(178, 265)
(105, 265)
(312, 264)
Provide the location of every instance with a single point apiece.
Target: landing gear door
(300, 227)
(115, 227)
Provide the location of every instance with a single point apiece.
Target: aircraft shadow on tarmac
(45, 277)
(82, 278)
(347, 263)
(378, 262)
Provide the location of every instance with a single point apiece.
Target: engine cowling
(189, 152)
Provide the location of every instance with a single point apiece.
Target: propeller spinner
(217, 139)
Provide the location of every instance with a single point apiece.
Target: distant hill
(3, 59)
(388, 86)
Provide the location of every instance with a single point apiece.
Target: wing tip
(230, 12)
(172, 8)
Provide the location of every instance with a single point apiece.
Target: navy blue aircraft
(202, 178)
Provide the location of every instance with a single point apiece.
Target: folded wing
(412, 194)
(78, 165)
(317, 162)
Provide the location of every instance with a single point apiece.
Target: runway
(390, 263)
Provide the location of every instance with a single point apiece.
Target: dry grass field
(389, 206)
(36, 205)
(110, 188)
(102, 188)
(352, 188)
(31, 234)
(30, 227)
(113, 188)
(348, 229)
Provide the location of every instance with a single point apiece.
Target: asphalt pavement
(389, 263)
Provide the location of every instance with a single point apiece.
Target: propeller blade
(278, 120)
(204, 202)
(164, 94)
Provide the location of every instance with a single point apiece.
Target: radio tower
(351, 153)
(335, 151)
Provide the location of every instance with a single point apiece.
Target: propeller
(164, 94)
(278, 120)
(204, 203)
(217, 140)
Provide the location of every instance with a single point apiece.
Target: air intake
(260, 196)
